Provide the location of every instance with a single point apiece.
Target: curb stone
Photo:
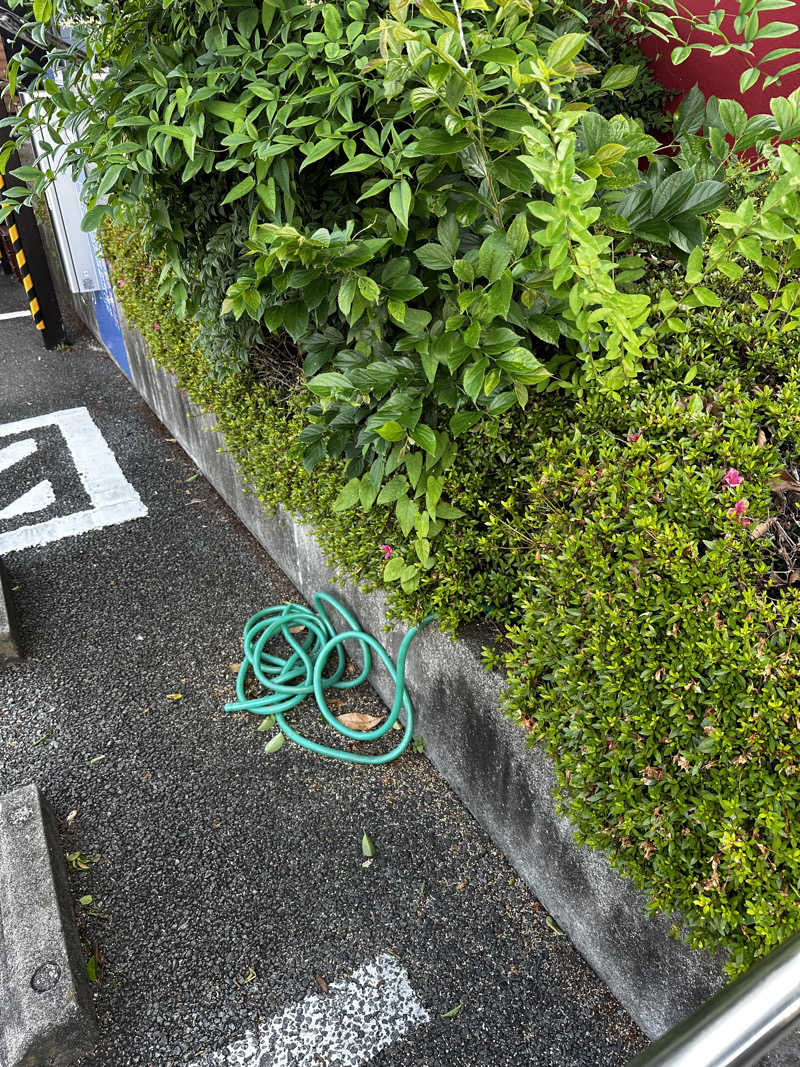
(9, 639)
(46, 1014)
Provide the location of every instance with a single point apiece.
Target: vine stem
(478, 120)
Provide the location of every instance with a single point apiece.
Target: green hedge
(643, 642)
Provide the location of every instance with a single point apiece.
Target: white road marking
(36, 499)
(345, 1027)
(14, 314)
(113, 498)
(16, 452)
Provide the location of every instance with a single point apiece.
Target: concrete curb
(10, 649)
(46, 1013)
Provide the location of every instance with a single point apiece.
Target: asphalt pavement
(228, 885)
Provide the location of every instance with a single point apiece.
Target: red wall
(719, 76)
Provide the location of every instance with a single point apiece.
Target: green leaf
(413, 463)
(564, 48)
(329, 384)
(453, 1013)
(434, 257)
(424, 437)
(360, 162)
(620, 76)
(438, 144)
(275, 744)
(392, 431)
(91, 968)
(473, 378)
(348, 497)
(240, 189)
(747, 79)
(369, 289)
(94, 216)
(400, 200)
(522, 366)
(680, 54)
(494, 256)
(406, 512)
(734, 117)
(267, 723)
(463, 420)
(393, 490)
(396, 565)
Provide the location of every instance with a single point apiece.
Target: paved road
(228, 886)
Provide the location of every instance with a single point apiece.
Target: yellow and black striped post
(24, 270)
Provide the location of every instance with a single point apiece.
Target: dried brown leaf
(761, 439)
(234, 668)
(784, 482)
(356, 720)
(763, 528)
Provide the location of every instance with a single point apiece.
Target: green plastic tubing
(289, 681)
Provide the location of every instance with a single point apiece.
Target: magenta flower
(738, 511)
(121, 281)
(634, 436)
(387, 551)
(155, 326)
(732, 477)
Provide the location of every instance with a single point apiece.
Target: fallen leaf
(274, 744)
(761, 439)
(192, 477)
(554, 926)
(267, 724)
(453, 1013)
(73, 815)
(96, 759)
(86, 901)
(91, 968)
(368, 863)
(356, 720)
(41, 741)
(170, 440)
(321, 983)
(785, 482)
(367, 847)
(174, 696)
(234, 668)
(763, 527)
(251, 974)
(296, 629)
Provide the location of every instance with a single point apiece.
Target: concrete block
(9, 640)
(46, 1013)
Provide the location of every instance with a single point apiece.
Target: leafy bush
(426, 200)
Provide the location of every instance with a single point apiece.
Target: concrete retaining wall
(507, 786)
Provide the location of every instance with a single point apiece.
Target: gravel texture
(227, 884)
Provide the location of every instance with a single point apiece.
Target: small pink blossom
(632, 437)
(156, 326)
(732, 477)
(387, 551)
(121, 281)
(738, 511)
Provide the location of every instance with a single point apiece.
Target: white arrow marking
(347, 1026)
(113, 499)
(16, 452)
(36, 499)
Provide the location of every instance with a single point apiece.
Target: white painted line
(36, 499)
(347, 1026)
(16, 452)
(14, 314)
(112, 497)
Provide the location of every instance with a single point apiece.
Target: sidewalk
(230, 883)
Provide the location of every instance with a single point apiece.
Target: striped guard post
(27, 281)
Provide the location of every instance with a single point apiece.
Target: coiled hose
(289, 681)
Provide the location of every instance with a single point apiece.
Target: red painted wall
(719, 76)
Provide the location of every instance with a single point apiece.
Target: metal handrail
(742, 1022)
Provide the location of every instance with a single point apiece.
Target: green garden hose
(289, 681)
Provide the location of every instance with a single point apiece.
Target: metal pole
(738, 1025)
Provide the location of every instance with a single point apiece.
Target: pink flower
(738, 511)
(155, 326)
(634, 436)
(387, 551)
(121, 281)
(732, 477)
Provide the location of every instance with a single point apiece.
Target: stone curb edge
(10, 648)
(46, 1012)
